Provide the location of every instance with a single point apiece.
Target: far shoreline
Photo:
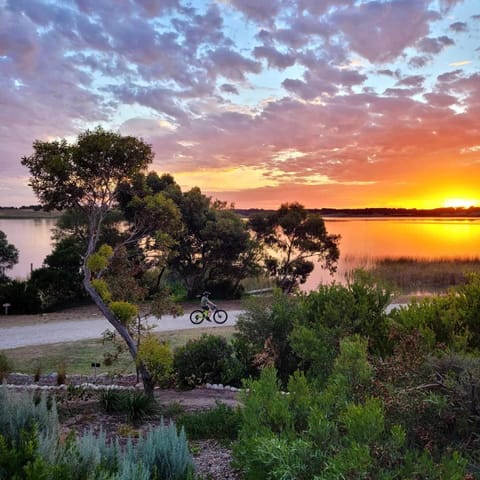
(27, 213)
(35, 211)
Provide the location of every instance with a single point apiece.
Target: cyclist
(207, 305)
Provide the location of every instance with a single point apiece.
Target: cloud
(274, 57)
(434, 45)
(337, 98)
(412, 81)
(403, 23)
(232, 65)
(264, 11)
(459, 27)
(229, 88)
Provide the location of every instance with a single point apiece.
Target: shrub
(330, 433)
(30, 448)
(221, 422)
(264, 331)
(99, 260)
(22, 296)
(450, 320)
(21, 409)
(137, 405)
(158, 358)
(61, 373)
(110, 400)
(5, 366)
(37, 370)
(134, 404)
(207, 359)
(334, 312)
(164, 453)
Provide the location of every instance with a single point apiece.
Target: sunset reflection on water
(362, 241)
(365, 239)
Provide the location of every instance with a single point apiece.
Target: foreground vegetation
(336, 387)
(370, 395)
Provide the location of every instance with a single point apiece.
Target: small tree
(296, 237)
(84, 177)
(8, 255)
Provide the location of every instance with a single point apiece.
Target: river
(362, 240)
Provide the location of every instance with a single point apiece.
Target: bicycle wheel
(220, 316)
(196, 317)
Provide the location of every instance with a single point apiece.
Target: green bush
(99, 260)
(332, 432)
(101, 287)
(334, 312)
(134, 404)
(30, 448)
(263, 333)
(208, 359)
(158, 358)
(450, 320)
(5, 366)
(221, 422)
(22, 297)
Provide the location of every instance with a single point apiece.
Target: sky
(331, 103)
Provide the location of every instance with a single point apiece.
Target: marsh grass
(257, 283)
(411, 274)
(77, 357)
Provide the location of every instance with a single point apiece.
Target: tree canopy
(8, 254)
(292, 238)
(213, 249)
(85, 177)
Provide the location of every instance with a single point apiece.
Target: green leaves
(86, 173)
(297, 237)
(124, 311)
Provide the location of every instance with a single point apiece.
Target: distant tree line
(379, 212)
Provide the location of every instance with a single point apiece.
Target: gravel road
(90, 327)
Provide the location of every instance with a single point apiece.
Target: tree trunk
(122, 331)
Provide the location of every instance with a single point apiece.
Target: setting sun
(459, 203)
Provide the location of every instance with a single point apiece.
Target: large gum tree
(84, 176)
(293, 239)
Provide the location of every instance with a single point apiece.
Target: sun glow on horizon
(460, 203)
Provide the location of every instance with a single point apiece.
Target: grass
(77, 357)
(409, 274)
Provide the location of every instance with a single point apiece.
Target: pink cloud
(365, 98)
(403, 22)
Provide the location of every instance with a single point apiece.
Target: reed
(413, 274)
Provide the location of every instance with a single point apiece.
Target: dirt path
(85, 323)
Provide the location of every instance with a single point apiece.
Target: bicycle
(198, 316)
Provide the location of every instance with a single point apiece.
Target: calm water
(362, 239)
(367, 239)
(31, 237)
